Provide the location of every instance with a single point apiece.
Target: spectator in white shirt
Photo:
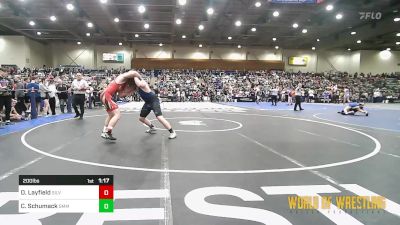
(79, 87)
(311, 95)
(52, 95)
(298, 93)
(346, 97)
(274, 95)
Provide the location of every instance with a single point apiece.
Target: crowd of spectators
(225, 86)
(54, 85)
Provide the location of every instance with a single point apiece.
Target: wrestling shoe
(366, 114)
(151, 130)
(172, 135)
(108, 136)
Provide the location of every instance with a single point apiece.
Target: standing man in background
(6, 86)
(20, 96)
(79, 87)
(290, 95)
(346, 96)
(274, 95)
(33, 89)
(52, 95)
(69, 99)
(62, 95)
(298, 93)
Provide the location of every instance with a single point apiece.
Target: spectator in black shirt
(20, 96)
(62, 95)
(6, 86)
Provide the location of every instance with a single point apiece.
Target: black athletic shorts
(149, 106)
(27, 99)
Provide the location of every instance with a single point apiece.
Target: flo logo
(370, 15)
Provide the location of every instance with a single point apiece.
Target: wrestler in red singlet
(106, 96)
(124, 85)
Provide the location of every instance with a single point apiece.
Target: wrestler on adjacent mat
(124, 85)
(151, 103)
(353, 108)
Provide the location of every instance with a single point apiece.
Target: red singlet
(106, 96)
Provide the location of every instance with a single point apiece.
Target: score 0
(106, 198)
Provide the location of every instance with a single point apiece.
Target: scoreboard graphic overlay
(66, 193)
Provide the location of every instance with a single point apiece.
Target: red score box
(106, 192)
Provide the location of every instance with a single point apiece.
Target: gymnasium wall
(372, 62)
(38, 53)
(201, 64)
(13, 50)
(23, 51)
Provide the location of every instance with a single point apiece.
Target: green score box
(106, 205)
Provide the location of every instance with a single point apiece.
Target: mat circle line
(239, 125)
(292, 169)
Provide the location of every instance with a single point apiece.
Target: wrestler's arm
(362, 111)
(128, 75)
(139, 82)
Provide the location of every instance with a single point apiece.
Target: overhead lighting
(397, 19)
(318, 40)
(161, 44)
(200, 45)
(87, 34)
(53, 18)
(329, 7)
(257, 4)
(239, 46)
(238, 23)
(349, 49)
(183, 36)
(116, 19)
(295, 25)
(275, 14)
(90, 25)
(274, 39)
(388, 49)
(120, 44)
(353, 33)
(210, 11)
(146, 26)
(178, 21)
(339, 16)
(1, 6)
(141, 9)
(79, 43)
(398, 34)
(136, 35)
(398, 43)
(254, 29)
(276, 47)
(304, 31)
(103, 1)
(39, 33)
(182, 2)
(70, 7)
(313, 48)
(32, 23)
(385, 54)
(359, 42)
(229, 38)
(201, 27)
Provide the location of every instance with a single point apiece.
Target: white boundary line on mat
(352, 124)
(369, 155)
